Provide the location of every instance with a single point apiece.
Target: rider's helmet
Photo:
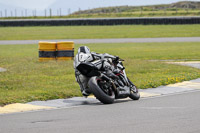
(84, 49)
(84, 54)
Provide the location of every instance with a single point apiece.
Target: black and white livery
(103, 75)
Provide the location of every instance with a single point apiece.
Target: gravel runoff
(113, 40)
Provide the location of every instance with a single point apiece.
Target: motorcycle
(107, 85)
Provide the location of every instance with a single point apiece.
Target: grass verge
(139, 13)
(28, 80)
(89, 32)
(134, 13)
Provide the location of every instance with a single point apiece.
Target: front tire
(134, 94)
(99, 93)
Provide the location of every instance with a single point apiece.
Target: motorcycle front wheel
(134, 94)
(101, 92)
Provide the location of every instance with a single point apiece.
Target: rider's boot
(86, 92)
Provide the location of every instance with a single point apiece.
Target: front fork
(133, 87)
(125, 76)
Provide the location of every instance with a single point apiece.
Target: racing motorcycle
(109, 84)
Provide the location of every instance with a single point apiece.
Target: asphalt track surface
(113, 40)
(177, 113)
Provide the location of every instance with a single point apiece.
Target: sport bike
(111, 83)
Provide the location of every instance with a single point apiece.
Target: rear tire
(99, 93)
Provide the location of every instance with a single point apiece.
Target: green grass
(27, 79)
(133, 13)
(138, 13)
(77, 32)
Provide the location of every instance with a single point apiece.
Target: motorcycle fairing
(88, 69)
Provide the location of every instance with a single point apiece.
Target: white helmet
(84, 49)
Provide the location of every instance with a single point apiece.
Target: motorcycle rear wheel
(97, 90)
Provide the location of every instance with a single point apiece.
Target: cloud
(29, 4)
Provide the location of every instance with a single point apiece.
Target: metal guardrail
(101, 21)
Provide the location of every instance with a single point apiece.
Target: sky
(42, 4)
(73, 5)
(29, 4)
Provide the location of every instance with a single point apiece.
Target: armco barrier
(101, 21)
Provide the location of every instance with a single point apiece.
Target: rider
(99, 60)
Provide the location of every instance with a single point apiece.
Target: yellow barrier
(65, 50)
(47, 51)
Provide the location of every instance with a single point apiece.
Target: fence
(19, 13)
(101, 21)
